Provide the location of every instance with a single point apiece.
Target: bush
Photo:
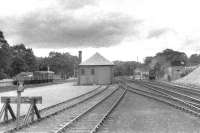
(183, 75)
(3, 75)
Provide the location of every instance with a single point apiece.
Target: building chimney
(80, 56)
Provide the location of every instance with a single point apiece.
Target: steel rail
(53, 106)
(68, 124)
(183, 85)
(171, 91)
(195, 101)
(54, 113)
(182, 88)
(188, 104)
(158, 98)
(95, 129)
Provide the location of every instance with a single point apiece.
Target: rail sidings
(9, 126)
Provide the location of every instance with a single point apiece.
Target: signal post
(33, 110)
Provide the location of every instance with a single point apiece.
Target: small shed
(95, 70)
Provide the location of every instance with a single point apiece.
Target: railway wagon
(36, 77)
(43, 76)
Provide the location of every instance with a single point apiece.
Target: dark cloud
(76, 4)
(157, 33)
(61, 31)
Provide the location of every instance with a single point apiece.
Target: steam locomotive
(152, 74)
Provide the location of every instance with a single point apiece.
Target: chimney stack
(80, 56)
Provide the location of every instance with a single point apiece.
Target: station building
(95, 70)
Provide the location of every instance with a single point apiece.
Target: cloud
(190, 41)
(156, 33)
(76, 4)
(55, 30)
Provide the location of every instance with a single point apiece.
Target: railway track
(185, 89)
(90, 120)
(172, 92)
(166, 98)
(50, 123)
(9, 126)
(185, 99)
(182, 85)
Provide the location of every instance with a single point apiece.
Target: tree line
(159, 62)
(168, 58)
(18, 58)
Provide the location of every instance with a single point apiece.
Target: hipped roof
(97, 60)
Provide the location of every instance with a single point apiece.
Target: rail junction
(87, 113)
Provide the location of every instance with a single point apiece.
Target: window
(82, 71)
(92, 71)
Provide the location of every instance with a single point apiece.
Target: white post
(18, 108)
(19, 90)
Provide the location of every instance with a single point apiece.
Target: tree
(18, 65)
(5, 57)
(194, 59)
(3, 75)
(61, 63)
(174, 58)
(27, 55)
(30, 60)
(164, 59)
(148, 60)
(124, 68)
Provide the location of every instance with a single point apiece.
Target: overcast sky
(118, 29)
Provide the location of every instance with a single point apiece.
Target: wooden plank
(2, 110)
(37, 99)
(37, 112)
(11, 112)
(6, 113)
(28, 114)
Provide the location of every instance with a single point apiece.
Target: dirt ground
(14, 87)
(51, 94)
(137, 114)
